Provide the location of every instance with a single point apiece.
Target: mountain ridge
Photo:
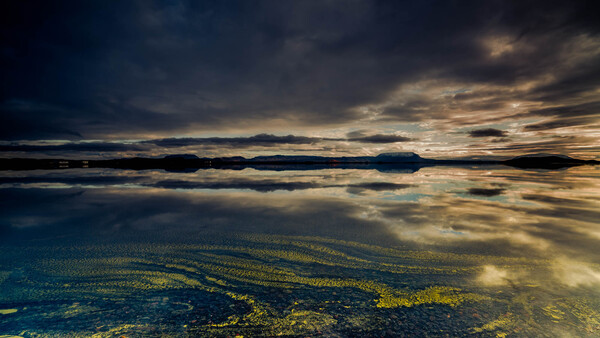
(190, 161)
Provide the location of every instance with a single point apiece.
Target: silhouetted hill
(188, 162)
(400, 157)
(181, 156)
(299, 159)
(547, 161)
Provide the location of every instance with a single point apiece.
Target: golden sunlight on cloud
(492, 276)
(498, 45)
(574, 273)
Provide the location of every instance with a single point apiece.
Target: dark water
(442, 251)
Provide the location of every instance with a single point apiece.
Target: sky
(98, 79)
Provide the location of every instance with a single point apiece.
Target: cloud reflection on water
(503, 211)
(547, 219)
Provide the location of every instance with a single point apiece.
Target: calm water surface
(442, 251)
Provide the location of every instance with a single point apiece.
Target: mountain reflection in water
(440, 251)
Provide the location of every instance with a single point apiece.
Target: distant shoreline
(183, 162)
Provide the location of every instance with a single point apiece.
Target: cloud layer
(163, 70)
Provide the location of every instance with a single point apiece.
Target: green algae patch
(570, 316)
(4, 276)
(505, 322)
(553, 312)
(118, 330)
(303, 321)
(432, 295)
(588, 318)
(7, 311)
(284, 285)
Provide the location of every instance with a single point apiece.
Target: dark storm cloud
(361, 188)
(500, 140)
(380, 138)
(256, 185)
(555, 144)
(561, 123)
(486, 192)
(269, 185)
(72, 147)
(487, 132)
(101, 213)
(555, 201)
(264, 140)
(260, 185)
(364, 137)
(587, 115)
(565, 111)
(380, 186)
(260, 140)
(73, 69)
(103, 180)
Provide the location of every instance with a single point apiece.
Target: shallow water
(484, 251)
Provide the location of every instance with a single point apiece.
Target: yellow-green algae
(432, 295)
(553, 312)
(582, 312)
(280, 262)
(568, 312)
(116, 331)
(7, 311)
(243, 270)
(505, 322)
(4, 276)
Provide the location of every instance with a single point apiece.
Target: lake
(435, 251)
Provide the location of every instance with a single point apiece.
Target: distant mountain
(546, 161)
(400, 154)
(230, 159)
(400, 157)
(181, 156)
(287, 158)
(543, 155)
(391, 162)
(281, 159)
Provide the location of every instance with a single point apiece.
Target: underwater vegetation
(251, 284)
